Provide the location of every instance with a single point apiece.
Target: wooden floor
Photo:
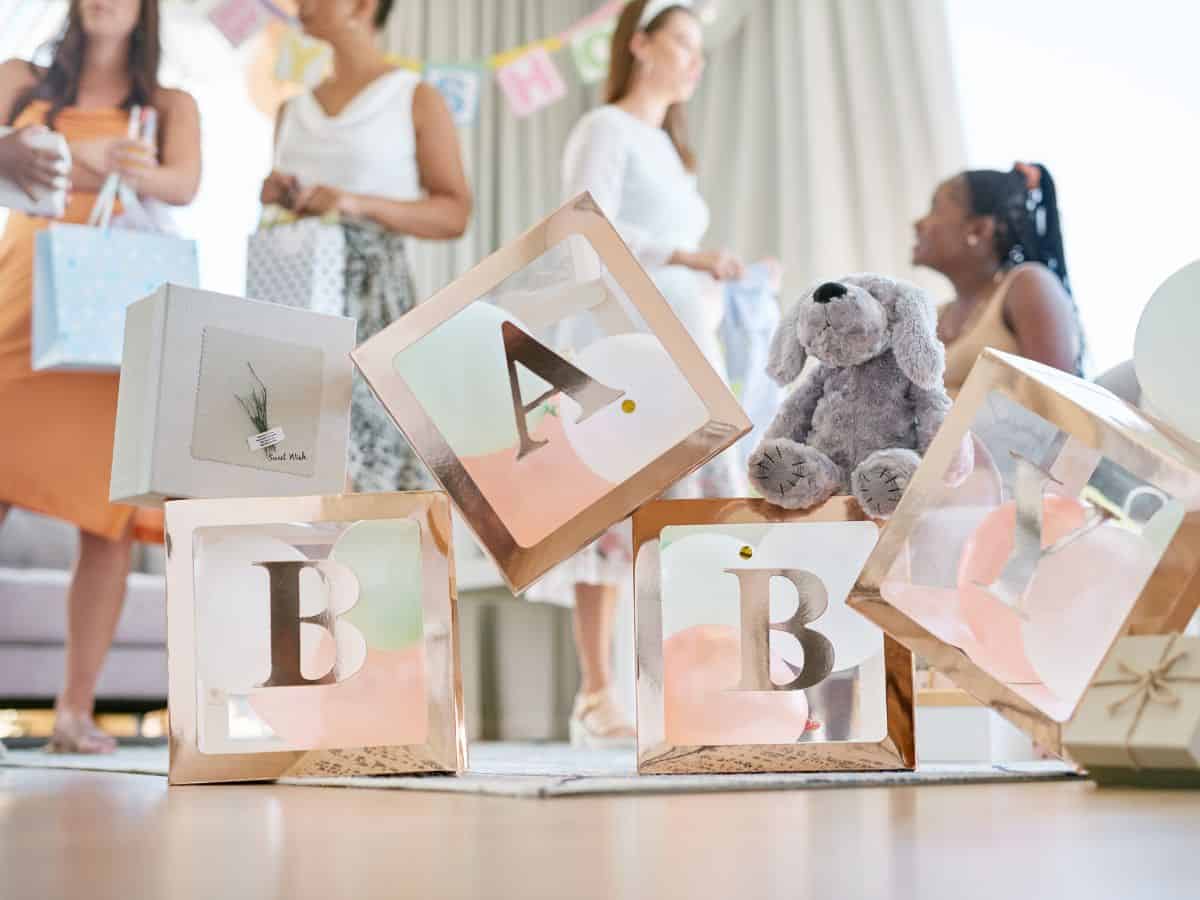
(95, 836)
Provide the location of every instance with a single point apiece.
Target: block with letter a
(551, 391)
(312, 636)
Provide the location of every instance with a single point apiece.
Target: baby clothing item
(751, 319)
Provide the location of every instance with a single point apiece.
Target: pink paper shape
(531, 83)
(238, 20)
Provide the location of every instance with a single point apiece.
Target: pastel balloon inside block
(659, 409)
(385, 557)
(459, 373)
(700, 667)
(695, 587)
(540, 493)
(390, 684)
(835, 553)
(996, 625)
(1078, 601)
(233, 609)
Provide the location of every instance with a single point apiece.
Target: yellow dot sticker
(746, 552)
(628, 406)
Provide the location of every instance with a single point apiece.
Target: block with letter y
(1079, 527)
(551, 391)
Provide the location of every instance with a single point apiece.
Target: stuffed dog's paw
(880, 480)
(792, 475)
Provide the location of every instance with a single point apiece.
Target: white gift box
(50, 202)
(226, 397)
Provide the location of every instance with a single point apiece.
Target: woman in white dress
(376, 145)
(632, 154)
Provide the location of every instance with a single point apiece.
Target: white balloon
(1078, 600)
(233, 608)
(233, 619)
(695, 589)
(1165, 357)
(835, 552)
(459, 373)
(658, 411)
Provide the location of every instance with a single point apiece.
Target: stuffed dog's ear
(919, 353)
(786, 358)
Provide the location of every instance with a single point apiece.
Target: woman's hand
(132, 160)
(30, 168)
(119, 156)
(321, 199)
(279, 189)
(720, 264)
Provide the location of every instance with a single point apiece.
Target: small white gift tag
(266, 440)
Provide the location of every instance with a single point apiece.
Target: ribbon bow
(1154, 685)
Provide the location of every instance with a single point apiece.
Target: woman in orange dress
(57, 435)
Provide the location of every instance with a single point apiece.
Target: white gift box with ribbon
(1141, 716)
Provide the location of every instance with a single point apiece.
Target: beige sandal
(76, 734)
(597, 723)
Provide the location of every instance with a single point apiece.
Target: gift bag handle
(145, 124)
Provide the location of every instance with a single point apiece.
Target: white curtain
(822, 127)
(513, 164)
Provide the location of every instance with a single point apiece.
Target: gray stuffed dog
(859, 421)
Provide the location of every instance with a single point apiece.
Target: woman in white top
(377, 146)
(633, 156)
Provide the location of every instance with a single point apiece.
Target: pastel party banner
(460, 86)
(592, 49)
(527, 74)
(241, 20)
(302, 60)
(531, 83)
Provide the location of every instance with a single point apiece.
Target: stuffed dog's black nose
(830, 290)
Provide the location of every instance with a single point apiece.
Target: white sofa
(36, 555)
(518, 659)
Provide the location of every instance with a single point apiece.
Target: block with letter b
(551, 391)
(312, 636)
(749, 659)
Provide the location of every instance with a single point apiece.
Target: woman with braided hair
(996, 236)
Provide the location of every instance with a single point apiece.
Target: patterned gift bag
(85, 277)
(298, 262)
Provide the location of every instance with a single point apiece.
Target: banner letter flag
(592, 48)
(239, 20)
(459, 85)
(531, 83)
(302, 60)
